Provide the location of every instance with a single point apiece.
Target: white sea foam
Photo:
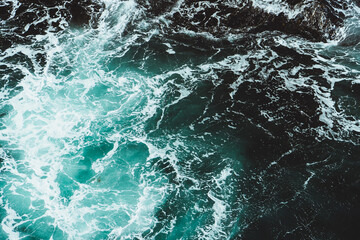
(221, 207)
(277, 7)
(51, 171)
(55, 118)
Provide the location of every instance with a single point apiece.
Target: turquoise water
(127, 128)
(100, 141)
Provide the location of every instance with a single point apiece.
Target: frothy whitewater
(122, 133)
(77, 161)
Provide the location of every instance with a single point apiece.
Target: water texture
(120, 122)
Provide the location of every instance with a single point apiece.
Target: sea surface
(129, 128)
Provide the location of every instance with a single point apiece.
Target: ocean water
(128, 128)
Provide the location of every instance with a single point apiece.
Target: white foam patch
(8, 224)
(56, 117)
(278, 7)
(221, 207)
(46, 131)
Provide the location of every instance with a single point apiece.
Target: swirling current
(129, 119)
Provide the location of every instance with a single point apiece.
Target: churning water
(128, 129)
